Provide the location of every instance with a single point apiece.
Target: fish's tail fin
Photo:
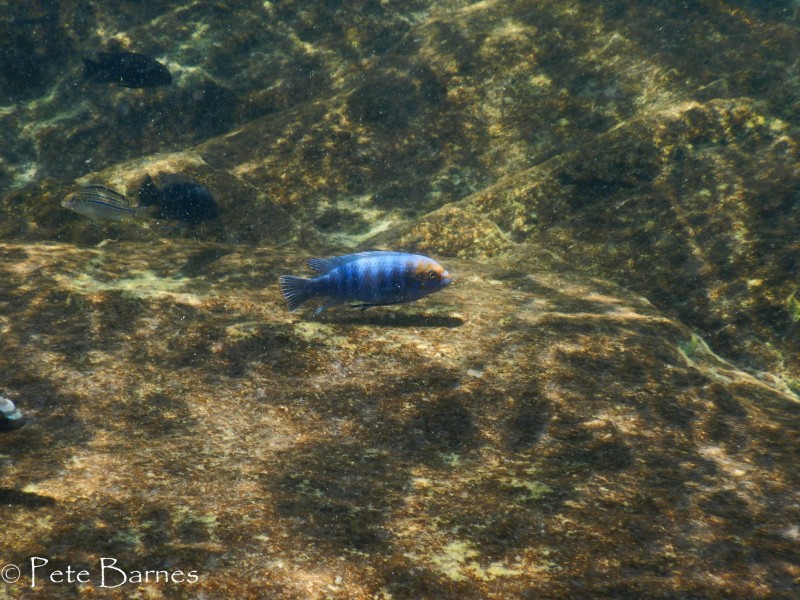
(296, 290)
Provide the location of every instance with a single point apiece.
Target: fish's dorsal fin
(326, 265)
(164, 179)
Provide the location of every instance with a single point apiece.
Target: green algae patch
(460, 560)
(128, 537)
(793, 385)
(498, 569)
(535, 489)
(311, 331)
(690, 347)
(243, 331)
(314, 332)
(193, 526)
(454, 558)
(141, 285)
(793, 306)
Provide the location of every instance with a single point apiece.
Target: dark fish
(372, 278)
(98, 202)
(128, 69)
(177, 197)
(10, 417)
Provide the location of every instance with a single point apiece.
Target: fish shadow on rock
(9, 497)
(393, 319)
(603, 450)
(528, 425)
(407, 580)
(142, 532)
(274, 345)
(560, 302)
(156, 416)
(442, 427)
(196, 263)
(339, 494)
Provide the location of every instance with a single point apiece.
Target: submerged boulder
(522, 433)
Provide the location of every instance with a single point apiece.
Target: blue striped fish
(374, 278)
(100, 202)
(10, 417)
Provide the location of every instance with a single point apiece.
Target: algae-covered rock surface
(520, 434)
(605, 402)
(655, 145)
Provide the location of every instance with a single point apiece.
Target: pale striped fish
(98, 202)
(10, 417)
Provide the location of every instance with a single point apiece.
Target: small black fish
(177, 197)
(128, 69)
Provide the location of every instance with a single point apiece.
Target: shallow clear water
(604, 402)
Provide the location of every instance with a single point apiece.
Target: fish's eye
(432, 275)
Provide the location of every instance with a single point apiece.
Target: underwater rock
(391, 98)
(690, 206)
(530, 432)
(127, 69)
(525, 432)
(211, 108)
(33, 43)
(450, 231)
(592, 128)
